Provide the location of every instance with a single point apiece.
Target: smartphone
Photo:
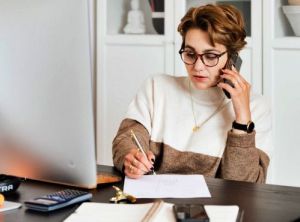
(190, 213)
(236, 61)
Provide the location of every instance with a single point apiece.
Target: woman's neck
(210, 96)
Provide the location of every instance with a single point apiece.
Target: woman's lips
(200, 78)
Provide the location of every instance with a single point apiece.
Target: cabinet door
(124, 62)
(286, 109)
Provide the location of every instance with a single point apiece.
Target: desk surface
(260, 202)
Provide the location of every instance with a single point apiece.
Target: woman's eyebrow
(191, 47)
(205, 51)
(211, 50)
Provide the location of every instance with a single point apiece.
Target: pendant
(196, 128)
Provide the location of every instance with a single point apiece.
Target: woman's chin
(201, 85)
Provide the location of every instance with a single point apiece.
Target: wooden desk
(260, 202)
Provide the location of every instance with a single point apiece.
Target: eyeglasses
(209, 59)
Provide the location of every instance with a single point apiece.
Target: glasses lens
(189, 57)
(210, 59)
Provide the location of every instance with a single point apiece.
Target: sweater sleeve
(242, 161)
(123, 141)
(247, 156)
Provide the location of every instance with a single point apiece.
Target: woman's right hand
(136, 164)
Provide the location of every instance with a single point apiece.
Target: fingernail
(152, 160)
(152, 168)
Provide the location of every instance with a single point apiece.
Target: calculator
(57, 200)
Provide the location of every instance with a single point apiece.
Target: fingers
(144, 161)
(239, 83)
(151, 157)
(132, 172)
(235, 74)
(136, 164)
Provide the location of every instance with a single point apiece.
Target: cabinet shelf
(291, 42)
(124, 39)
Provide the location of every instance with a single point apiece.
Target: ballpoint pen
(139, 146)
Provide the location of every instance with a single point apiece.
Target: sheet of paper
(221, 213)
(167, 186)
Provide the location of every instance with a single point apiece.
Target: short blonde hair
(223, 23)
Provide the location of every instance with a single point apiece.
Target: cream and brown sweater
(162, 117)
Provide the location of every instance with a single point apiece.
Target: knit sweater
(163, 114)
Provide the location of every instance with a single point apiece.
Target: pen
(139, 145)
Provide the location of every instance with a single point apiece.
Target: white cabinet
(125, 61)
(281, 83)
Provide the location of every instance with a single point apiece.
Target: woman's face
(203, 76)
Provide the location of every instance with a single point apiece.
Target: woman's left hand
(240, 94)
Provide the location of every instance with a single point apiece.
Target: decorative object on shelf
(292, 12)
(135, 19)
(294, 2)
(158, 15)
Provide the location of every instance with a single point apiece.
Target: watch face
(250, 127)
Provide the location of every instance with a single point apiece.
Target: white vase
(292, 12)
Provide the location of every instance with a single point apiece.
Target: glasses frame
(201, 57)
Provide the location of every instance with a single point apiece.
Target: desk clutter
(228, 197)
(155, 212)
(125, 209)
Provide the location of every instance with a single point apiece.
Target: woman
(186, 124)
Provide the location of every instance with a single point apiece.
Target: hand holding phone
(236, 61)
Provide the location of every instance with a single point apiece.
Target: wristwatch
(249, 127)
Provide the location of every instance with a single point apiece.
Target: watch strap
(249, 127)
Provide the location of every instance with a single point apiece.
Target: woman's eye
(210, 56)
(191, 54)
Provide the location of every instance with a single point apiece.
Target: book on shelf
(158, 15)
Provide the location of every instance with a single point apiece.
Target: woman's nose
(199, 65)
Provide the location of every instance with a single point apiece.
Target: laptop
(47, 115)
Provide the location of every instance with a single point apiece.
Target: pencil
(139, 146)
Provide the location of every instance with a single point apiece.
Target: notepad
(150, 212)
(167, 186)
(94, 212)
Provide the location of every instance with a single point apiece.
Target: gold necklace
(198, 126)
